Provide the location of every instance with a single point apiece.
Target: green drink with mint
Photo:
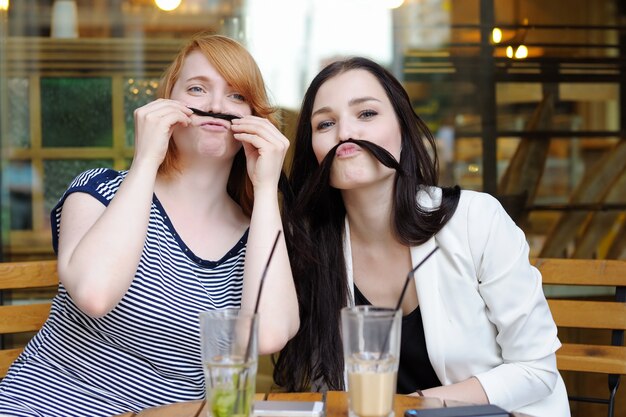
(229, 358)
(230, 387)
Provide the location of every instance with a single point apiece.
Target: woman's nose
(215, 104)
(346, 131)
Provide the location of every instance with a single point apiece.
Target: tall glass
(229, 356)
(371, 347)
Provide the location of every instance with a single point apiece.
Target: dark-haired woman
(365, 210)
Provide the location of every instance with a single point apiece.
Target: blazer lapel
(347, 255)
(429, 298)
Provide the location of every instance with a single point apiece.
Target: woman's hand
(265, 147)
(154, 124)
(469, 391)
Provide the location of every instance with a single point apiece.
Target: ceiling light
(521, 52)
(167, 5)
(496, 35)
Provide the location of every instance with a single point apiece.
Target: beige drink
(371, 393)
(371, 348)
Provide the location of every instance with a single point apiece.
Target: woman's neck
(202, 187)
(369, 212)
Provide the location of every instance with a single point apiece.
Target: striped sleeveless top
(146, 351)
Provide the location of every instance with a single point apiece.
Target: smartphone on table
(288, 409)
(487, 410)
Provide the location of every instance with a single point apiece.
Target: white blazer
(483, 307)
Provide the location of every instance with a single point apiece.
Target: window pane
(59, 173)
(137, 93)
(76, 112)
(19, 180)
(17, 108)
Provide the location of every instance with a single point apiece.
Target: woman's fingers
(260, 133)
(154, 124)
(265, 147)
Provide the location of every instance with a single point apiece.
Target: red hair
(233, 61)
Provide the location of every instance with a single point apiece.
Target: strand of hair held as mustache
(318, 185)
(223, 116)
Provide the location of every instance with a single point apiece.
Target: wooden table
(336, 405)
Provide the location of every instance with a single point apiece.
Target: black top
(415, 371)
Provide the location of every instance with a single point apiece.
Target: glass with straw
(371, 347)
(229, 341)
(229, 372)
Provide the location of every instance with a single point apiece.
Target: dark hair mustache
(224, 116)
(317, 191)
(322, 175)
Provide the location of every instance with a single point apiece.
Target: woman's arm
(539, 376)
(265, 149)
(469, 391)
(100, 247)
(515, 303)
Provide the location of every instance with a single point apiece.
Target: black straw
(406, 284)
(258, 297)
(256, 309)
(410, 275)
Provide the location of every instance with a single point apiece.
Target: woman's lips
(215, 125)
(347, 149)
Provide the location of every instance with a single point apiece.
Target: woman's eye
(195, 89)
(238, 97)
(366, 114)
(323, 125)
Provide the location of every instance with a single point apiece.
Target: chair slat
(29, 274)
(588, 314)
(23, 318)
(585, 311)
(582, 271)
(7, 356)
(592, 358)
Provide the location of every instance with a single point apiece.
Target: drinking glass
(371, 347)
(229, 357)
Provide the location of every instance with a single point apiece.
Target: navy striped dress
(146, 351)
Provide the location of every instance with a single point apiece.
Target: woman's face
(199, 85)
(353, 105)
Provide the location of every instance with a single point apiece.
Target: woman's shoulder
(472, 205)
(430, 197)
(478, 199)
(101, 183)
(95, 176)
(98, 181)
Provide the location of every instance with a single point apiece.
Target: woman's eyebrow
(320, 111)
(352, 102)
(198, 78)
(360, 100)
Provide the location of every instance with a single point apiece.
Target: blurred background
(526, 98)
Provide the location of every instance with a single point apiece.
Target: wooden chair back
(591, 294)
(28, 316)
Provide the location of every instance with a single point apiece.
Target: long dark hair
(314, 224)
